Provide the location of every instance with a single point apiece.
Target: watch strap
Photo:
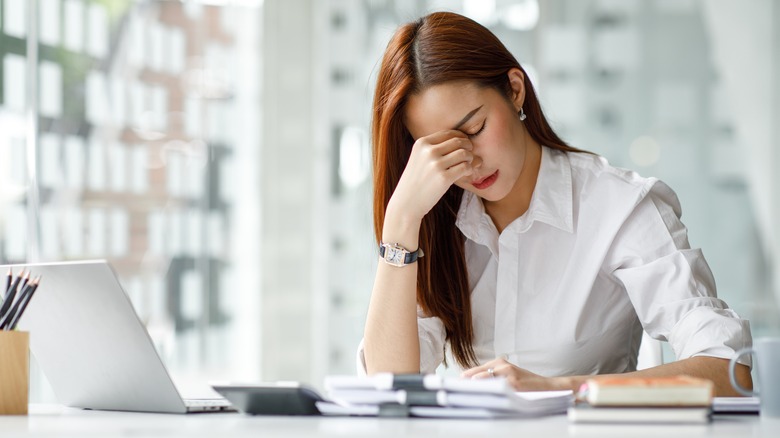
(411, 257)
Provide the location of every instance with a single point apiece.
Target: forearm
(391, 342)
(712, 368)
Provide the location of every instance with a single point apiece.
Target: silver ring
(490, 371)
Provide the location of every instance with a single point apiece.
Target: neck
(516, 203)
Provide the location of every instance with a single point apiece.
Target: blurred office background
(217, 152)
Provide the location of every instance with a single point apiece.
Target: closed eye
(479, 131)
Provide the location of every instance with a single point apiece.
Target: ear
(517, 83)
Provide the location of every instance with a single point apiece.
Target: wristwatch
(396, 255)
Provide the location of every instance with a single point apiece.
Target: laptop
(93, 348)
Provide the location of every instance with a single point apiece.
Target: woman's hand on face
(436, 162)
(520, 379)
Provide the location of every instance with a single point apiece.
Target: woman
(527, 258)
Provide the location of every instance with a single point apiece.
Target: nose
(476, 163)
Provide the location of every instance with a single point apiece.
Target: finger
(493, 372)
(444, 145)
(497, 363)
(435, 139)
(484, 375)
(440, 136)
(450, 145)
(458, 171)
(455, 157)
(471, 372)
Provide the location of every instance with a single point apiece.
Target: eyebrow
(466, 119)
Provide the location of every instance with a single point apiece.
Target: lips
(485, 182)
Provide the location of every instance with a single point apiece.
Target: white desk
(50, 420)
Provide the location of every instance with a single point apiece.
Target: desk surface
(51, 420)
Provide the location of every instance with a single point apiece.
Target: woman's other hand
(520, 379)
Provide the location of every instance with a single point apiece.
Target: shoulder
(595, 169)
(593, 173)
(611, 195)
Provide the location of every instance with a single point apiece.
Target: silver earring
(522, 114)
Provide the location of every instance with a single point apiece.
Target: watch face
(394, 255)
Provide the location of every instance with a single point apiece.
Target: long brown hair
(438, 48)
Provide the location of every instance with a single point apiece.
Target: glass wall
(217, 153)
(123, 126)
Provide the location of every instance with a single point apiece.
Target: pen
(27, 297)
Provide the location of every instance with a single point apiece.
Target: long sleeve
(670, 285)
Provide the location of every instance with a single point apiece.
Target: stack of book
(678, 399)
(435, 396)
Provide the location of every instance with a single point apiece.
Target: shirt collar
(551, 202)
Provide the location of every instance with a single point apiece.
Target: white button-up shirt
(568, 287)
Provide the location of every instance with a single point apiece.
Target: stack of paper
(435, 396)
(679, 399)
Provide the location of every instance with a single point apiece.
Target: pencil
(7, 286)
(9, 297)
(6, 321)
(25, 280)
(27, 299)
(8, 282)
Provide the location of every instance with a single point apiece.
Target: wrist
(568, 382)
(402, 214)
(401, 228)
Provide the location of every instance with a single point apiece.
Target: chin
(492, 194)
(489, 197)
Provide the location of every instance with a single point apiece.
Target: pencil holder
(14, 372)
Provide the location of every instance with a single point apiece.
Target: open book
(435, 396)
